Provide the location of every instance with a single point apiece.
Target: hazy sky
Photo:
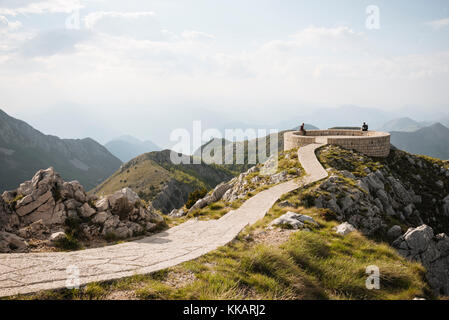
(126, 60)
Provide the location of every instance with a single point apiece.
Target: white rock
(102, 204)
(344, 228)
(57, 236)
(293, 220)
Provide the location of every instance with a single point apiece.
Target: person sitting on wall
(365, 127)
(302, 130)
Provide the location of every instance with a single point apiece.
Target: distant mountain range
(24, 150)
(431, 141)
(402, 124)
(127, 147)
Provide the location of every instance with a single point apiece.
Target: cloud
(439, 24)
(313, 37)
(5, 24)
(39, 7)
(191, 35)
(53, 42)
(93, 18)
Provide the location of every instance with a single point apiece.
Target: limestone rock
(101, 217)
(102, 204)
(176, 213)
(57, 236)
(344, 228)
(11, 243)
(394, 232)
(86, 210)
(293, 220)
(36, 230)
(45, 202)
(420, 244)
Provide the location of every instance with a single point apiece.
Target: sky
(107, 67)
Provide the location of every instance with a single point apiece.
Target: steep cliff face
(24, 151)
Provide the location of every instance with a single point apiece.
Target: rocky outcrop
(432, 251)
(293, 221)
(46, 205)
(12, 243)
(240, 186)
(177, 213)
(374, 194)
(344, 229)
(214, 196)
(364, 202)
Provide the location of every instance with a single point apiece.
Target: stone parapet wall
(294, 141)
(371, 143)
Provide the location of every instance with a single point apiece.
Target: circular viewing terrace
(371, 143)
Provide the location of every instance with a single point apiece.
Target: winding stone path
(32, 272)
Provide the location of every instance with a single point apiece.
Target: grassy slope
(274, 264)
(149, 173)
(315, 264)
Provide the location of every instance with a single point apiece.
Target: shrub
(308, 200)
(195, 196)
(68, 243)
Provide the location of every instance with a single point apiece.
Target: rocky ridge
(245, 184)
(47, 209)
(403, 199)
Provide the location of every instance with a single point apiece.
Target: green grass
(68, 243)
(343, 159)
(315, 264)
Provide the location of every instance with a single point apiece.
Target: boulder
(177, 213)
(421, 245)
(101, 217)
(418, 239)
(394, 232)
(57, 236)
(86, 210)
(102, 204)
(37, 230)
(344, 228)
(30, 207)
(11, 243)
(293, 220)
(122, 202)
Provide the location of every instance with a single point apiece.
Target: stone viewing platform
(371, 143)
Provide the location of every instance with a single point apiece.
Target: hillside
(432, 141)
(304, 248)
(155, 178)
(401, 124)
(127, 147)
(247, 149)
(24, 150)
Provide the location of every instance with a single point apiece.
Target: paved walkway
(32, 272)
